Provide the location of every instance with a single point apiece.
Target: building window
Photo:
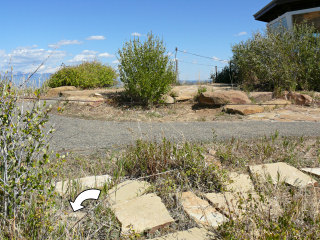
(280, 23)
(311, 17)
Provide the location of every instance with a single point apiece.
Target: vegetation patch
(145, 70)
(85, 75)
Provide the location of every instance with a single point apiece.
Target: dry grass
(175, 167)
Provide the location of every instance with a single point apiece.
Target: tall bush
(85, 75)
(26, 190)
(145, 69)
(280, 59)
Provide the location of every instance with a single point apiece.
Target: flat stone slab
(201, 211)
(240, 183)
(190, 234)
(127, 190)
(235, 204)
(62, 187)
(227, 202)
(146, 212)
(314, 171)
(282, 172)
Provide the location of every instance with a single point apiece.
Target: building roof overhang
(278, 7)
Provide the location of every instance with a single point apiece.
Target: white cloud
(115, 61)
(89, 52)
(89, 55)
(219, 60)
(241, 34)
(96, 38)
(27, 59)
(135, 34)
(64, 42)
(106, 55)
(83, 58)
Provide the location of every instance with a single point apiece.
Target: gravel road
(74, 134)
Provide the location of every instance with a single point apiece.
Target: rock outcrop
(219, 98)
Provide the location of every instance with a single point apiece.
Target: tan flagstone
(201, 211)
(146, 212)
(282, 172)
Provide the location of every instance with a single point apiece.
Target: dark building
(290, 12)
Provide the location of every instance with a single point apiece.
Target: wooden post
(177, 73)
(230, 73)
(216, 73)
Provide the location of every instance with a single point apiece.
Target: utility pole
(216, 73)
(230, 73)
(177, 73)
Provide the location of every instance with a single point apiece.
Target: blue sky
(72, 31)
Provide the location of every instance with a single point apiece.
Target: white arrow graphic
(85, 195)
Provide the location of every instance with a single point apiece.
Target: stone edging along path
(141, 212)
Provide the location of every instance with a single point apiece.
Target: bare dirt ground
(183, 112)
(179, 112)
(100, 104)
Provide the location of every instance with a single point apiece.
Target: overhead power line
(198, 55)
(198, 63)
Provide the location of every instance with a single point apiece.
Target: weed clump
(185, 164)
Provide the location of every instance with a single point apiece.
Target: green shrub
(85, 75)
(145, 69)
(26, 190)
(282, 59)
(185, 161)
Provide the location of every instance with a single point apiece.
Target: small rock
(212, 152)
(127, 190)
(223, 97)
(281, 95)
(146, 212)
(168, 99)
(282, 172)
(56, 92)
(87, 182)
(190, 234)
(271, 105)
(97, 95)
(243, 109)
(201, 211)
(261, 96)
(299, 99)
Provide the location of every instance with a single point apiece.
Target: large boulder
(223, 98)
(57, 92)
(299, 99)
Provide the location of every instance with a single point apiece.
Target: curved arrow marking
(85, 195)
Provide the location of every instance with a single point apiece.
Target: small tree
(145, 69)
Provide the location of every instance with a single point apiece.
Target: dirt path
(74, 134)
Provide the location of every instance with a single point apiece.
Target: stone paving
(139, 210)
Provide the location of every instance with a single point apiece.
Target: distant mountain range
(36, 80)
